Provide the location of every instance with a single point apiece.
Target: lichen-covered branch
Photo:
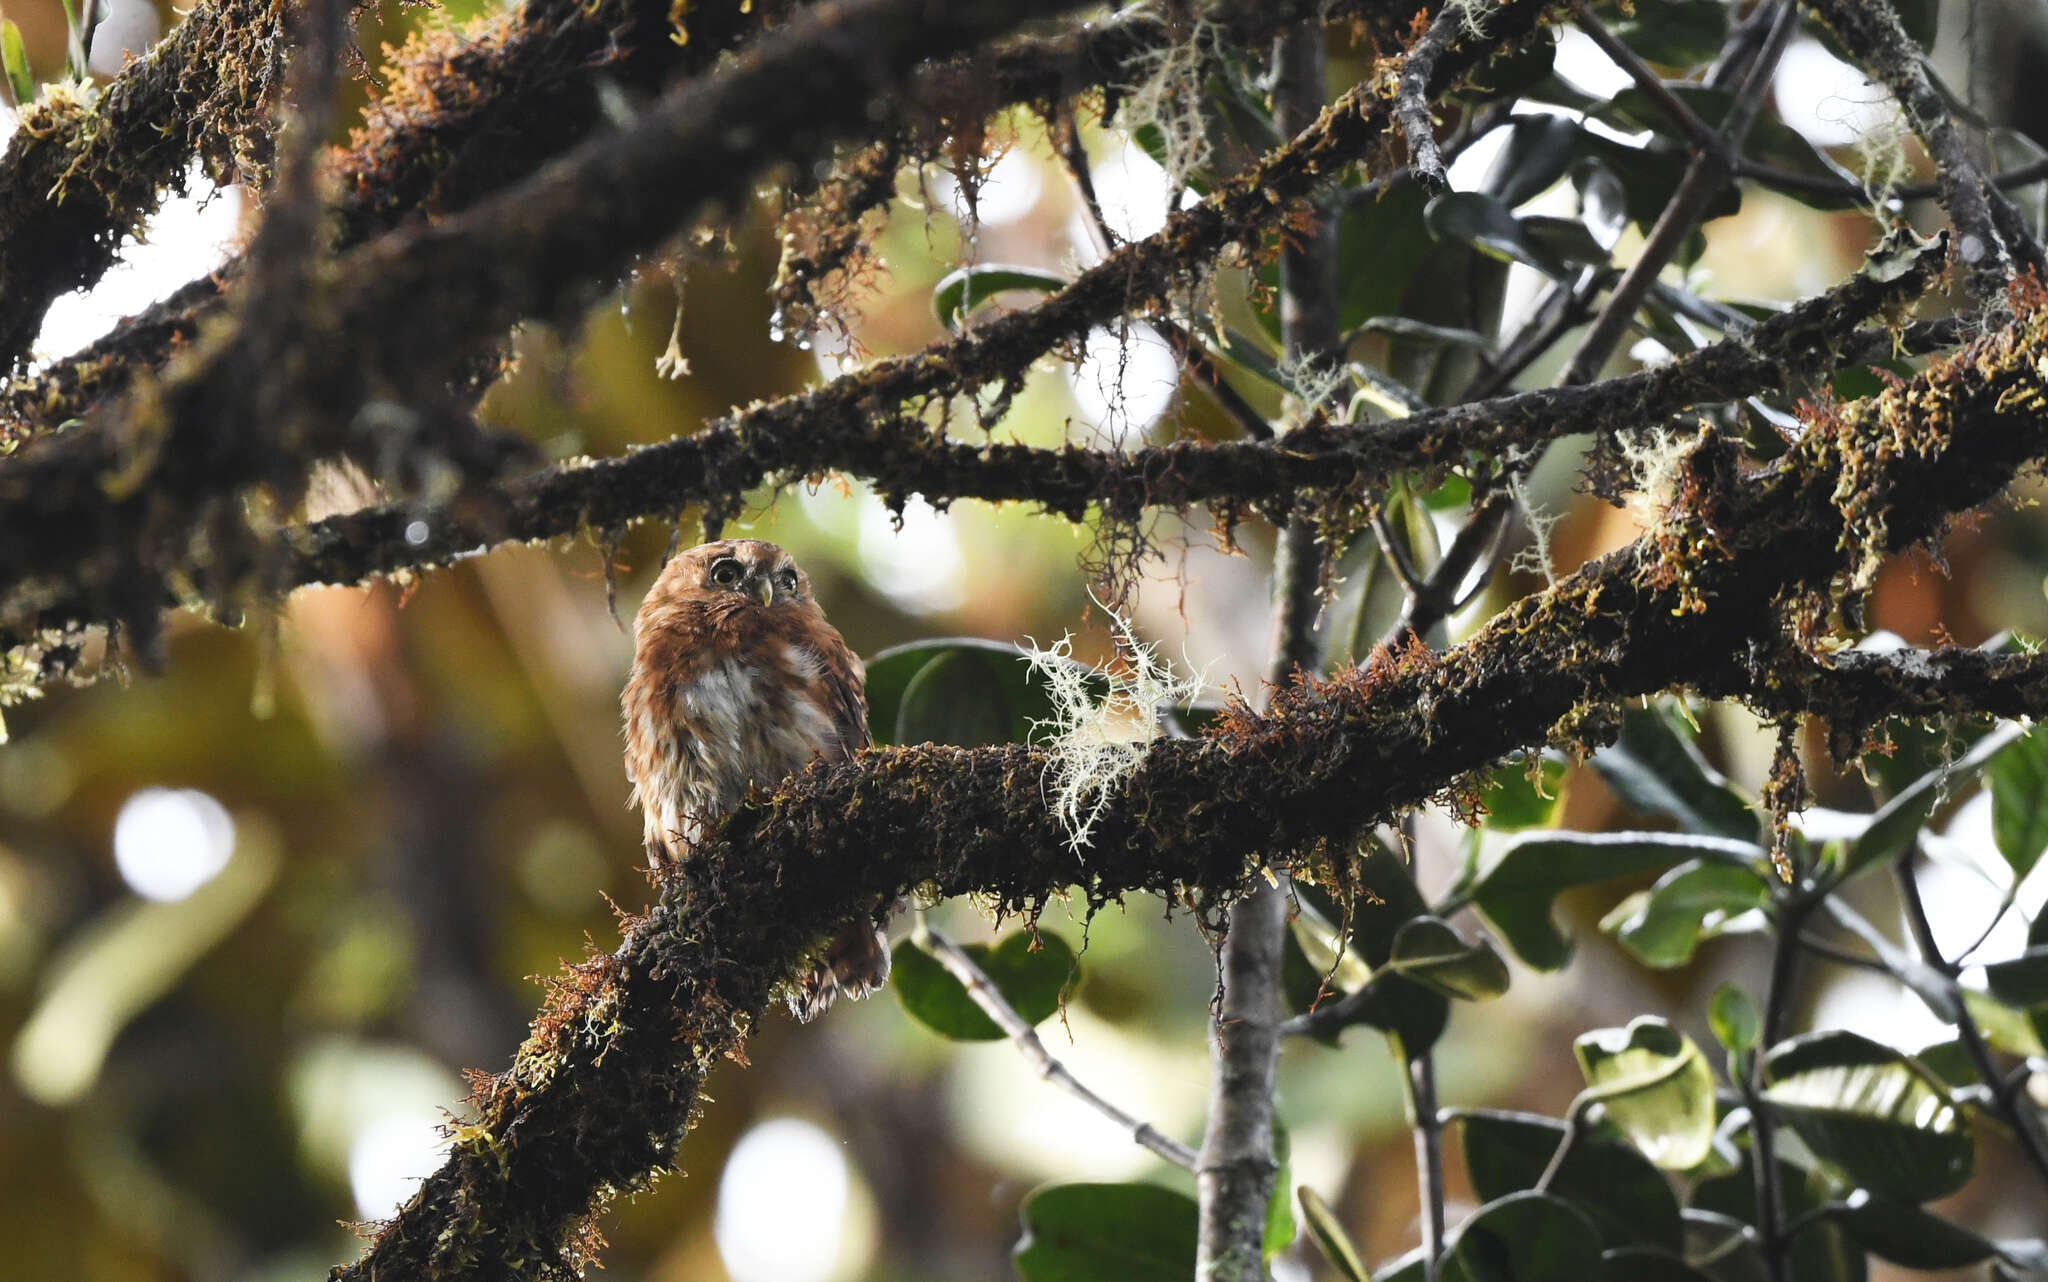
(110, 510)
(1992, 240)
(599, 1098)
(831, 429)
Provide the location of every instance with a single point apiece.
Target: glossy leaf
(978, 687)
(1089, 1232)
(1677, 33)
(1885, 1120)
(1517, 893)
(1033, 983)
(1490, 227)
(963, 289)
(1655, 1087)
(1656, 768)
(1904, 1234)
(2019, 802)
(1695, 901)
(1538, 150)
(1523, 1237)
(1430, 952)
(2020, 981)
(1734, 1018)
(1327, 1232)
(1627, 1199)
(1821, 1253)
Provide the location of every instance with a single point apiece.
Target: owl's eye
(786, 580)
(726, 572)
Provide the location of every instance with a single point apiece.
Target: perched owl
(737, 681)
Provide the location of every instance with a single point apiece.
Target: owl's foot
(855, 964)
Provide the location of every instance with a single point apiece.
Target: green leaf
(963, 289)
(1655, 1086)
(1330, 1238)
(992, 682)
(1033, 983)
(1094, 1232)
(2019, 802)
(1568, 240)
(1882, 1118)
(1517, 893)
(1904, 1234)
(1523, 1237)
(1513, 802)
(1733, 1016)
(1897, 824)
(1488, 226)
(2021, 981)
(15, 58)
(1627, 1199)
(1693, 902)
(1538, 150)
(1651, 175)
(1429, 951)
(1380, 247)
(1821, 1253)
(1677, 33)
(1385, 900)
(1655, 768)
(958, 698)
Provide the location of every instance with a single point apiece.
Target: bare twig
(987, 996)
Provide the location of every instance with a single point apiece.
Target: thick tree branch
(408, 308)
(599, 1098)
(401, 314)
(829, 430)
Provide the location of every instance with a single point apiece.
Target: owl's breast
(752, 722)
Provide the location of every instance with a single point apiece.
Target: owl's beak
(764, 590)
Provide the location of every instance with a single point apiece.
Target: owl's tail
(855, 964)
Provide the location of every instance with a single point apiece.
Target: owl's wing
(845, 682)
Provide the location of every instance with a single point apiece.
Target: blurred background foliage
(259, 911)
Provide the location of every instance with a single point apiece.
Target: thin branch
(406, 309)
(2013, 1107)
(1704, 178)
(1427, 1122)
(1821, 185)
(987, 996)
(1411, 107)
(1992, 239)
(827, 430)
(1698, 133)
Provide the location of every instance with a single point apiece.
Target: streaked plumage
(738, 681)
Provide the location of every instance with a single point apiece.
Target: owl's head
(737, 571)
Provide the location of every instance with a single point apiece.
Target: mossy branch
(601, 1095)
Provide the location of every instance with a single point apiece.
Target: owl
(738, 681)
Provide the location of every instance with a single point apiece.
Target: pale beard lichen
(1105, 719)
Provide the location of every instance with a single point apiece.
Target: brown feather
(730, 693)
